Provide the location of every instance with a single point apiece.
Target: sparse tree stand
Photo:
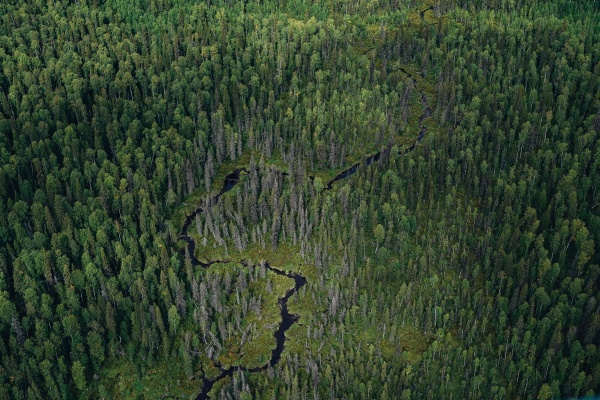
(476, 129)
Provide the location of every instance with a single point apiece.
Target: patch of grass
(414, 342)
(286, 256)
(119, 379)
(257, 352)
(214, 393)
(211, 371)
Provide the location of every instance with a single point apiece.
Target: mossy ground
(121, 380)
(256, 351)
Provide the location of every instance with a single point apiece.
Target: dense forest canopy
(325, 199)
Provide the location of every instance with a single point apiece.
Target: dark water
(191, 245)
(287, 319)
(352, 170)
(342, 175)
(228, 183)
(427, 111)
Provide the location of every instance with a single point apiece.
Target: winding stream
(427, 111)
(287, 319)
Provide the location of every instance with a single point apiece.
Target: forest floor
(120, 380)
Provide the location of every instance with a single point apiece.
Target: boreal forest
(303, 199)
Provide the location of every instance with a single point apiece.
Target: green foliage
(78, 375)
(379, 233)
(480, 279)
